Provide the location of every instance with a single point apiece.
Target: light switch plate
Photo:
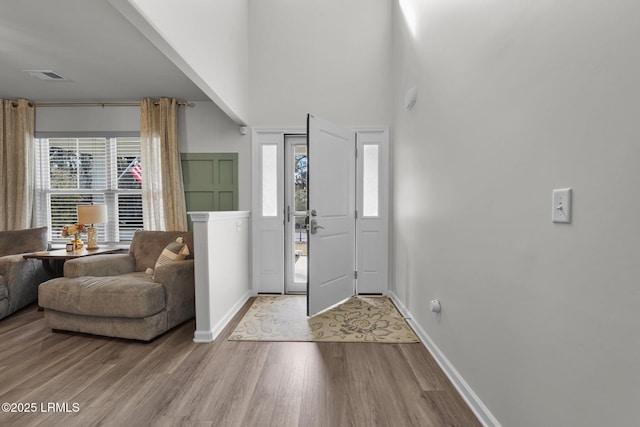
(561, 209)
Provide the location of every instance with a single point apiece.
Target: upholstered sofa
(19, 277)
(114, 295)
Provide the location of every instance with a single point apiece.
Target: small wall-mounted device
(561, 212)
(410, 97)
(434, 305)
(243, 130)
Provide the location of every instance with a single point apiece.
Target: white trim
(470, 397)
(217, 215)
(202, 337)
(210, 335)
(293, 130)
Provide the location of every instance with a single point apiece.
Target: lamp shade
(92, 214)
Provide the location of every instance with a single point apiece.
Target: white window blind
(79, 171)
(128, 186)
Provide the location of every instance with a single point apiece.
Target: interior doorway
(297, 214)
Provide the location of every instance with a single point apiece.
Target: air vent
(45, 74)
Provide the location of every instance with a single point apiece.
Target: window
(269, 180)
(370, 187)
(73, 171)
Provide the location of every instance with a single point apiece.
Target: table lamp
(92, 214)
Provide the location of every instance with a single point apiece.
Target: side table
(53, 261)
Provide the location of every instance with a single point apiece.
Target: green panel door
(210, 181)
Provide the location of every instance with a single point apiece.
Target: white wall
(516, 99)
(207, 129)
(207, 40)
(202, 128)
(326, 57)
(88, 119)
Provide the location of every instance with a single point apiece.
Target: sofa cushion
(23, 241)
(146, 246)
(4, 293)
(128, 295)
(173, 252)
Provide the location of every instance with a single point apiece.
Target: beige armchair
(112, 295)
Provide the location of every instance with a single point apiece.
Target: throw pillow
(174, 251)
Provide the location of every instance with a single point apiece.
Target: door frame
(267, 246)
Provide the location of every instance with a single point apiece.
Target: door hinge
(356, 214)
(355, 274)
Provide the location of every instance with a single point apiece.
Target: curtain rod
(98, 104)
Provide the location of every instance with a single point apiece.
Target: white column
(221, 253)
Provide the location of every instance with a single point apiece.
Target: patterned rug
(359, 319)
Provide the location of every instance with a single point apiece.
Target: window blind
(79, 171)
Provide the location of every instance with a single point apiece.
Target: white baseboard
(479, 409)
(211, 335)
(201, 337)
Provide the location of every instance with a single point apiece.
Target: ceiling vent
(45, 74)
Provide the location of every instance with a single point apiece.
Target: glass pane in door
(300, 214)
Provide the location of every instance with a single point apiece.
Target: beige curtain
(17, 124)
(162, 187)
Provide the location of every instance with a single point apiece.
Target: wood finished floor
(175, 382)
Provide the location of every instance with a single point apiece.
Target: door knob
(313, 226)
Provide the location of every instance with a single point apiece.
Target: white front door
(269, 218)
(331, 192)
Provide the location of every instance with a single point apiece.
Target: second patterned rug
(359, 319)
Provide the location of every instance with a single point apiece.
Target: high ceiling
(99, 53)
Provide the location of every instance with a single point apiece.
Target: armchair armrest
(178, 279)
(100, 265)
(17, 267)
(21, 278)
(9, 261)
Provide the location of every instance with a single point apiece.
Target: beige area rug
(359, 319)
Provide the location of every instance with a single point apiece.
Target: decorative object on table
(70, 247)
(92, 214)
(74, 230)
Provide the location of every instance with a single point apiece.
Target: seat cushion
(128, 295)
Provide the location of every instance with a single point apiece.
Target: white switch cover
(561, 206)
